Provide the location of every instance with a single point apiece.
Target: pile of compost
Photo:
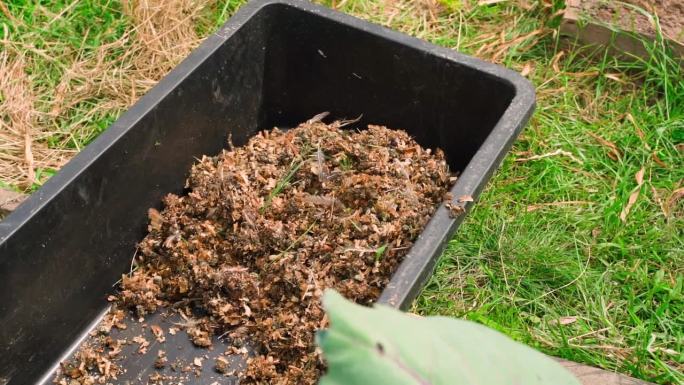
(266, 227)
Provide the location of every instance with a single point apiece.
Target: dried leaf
(158, 333)
(674, 198)
(658, 161)
(161, 360)
(633, 196)
(556, 60)
(614, 77)
(613, 152)
(222, 365)
(639, 176)
(10, 200)
(455, 209)
(639, 131)
(527, 69)
(142, 344)
(318, 117)
(564, 321)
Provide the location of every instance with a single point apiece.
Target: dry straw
(161, 34)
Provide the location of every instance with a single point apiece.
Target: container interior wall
(56, 270)
(315, 65)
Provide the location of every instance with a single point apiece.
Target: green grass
(572, 279)
(544, 256)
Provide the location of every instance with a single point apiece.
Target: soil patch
(623, 15)
(9, 200)
(264, 229)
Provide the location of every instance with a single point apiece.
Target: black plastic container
(275, 63)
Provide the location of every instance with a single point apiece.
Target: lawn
(576, 246)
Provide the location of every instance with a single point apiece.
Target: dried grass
(22, 149)
(162, 33)
(420, 18)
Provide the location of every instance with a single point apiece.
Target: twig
(588, 334)
(550, 154)
(503, 265)
(537, 206)
(343, 123)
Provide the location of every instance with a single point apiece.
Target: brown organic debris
(265, 228)
(158, 333)
(142, 342)
(88, 366)
(161, 360)
(675, 197)
(222, 365)
(455, 208)
(634, 195)
(613, 152)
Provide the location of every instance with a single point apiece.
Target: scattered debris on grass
(613, 152)
(558, 152)
(675, 197)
